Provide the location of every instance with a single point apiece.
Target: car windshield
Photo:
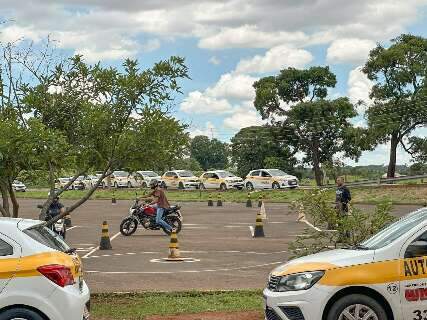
(185, 174)
(47, 237)
(394, 231)
(277, 172)
(64, 179)
(121, 173)
(225, 174)
(149, 174)
(17, 182)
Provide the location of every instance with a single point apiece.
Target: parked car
(78, 184)
(180, 179)
(144, 178)
(62, 182)
(220, 179)
(86, 181)
(42, 277)
(382, 278)
(18, 186)
(270, 179)
(120, 179)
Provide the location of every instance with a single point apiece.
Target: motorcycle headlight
(299, 281)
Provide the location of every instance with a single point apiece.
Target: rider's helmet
(154, 184)
(56, 198)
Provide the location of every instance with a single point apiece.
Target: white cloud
(197, 102)
(214, 60)
(14, 33)
(359, 88)
(209, 131)
(349, 50)
(233, 86)
(243, 116)
(275, 59)
(151, 45)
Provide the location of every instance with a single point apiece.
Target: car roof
(8, 226)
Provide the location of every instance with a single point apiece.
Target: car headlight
(299, 281)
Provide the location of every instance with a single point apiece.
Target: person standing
(342, 197)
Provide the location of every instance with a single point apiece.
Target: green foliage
(318, 127)
(399, 93)
(348, 230)
(187, 164)
(210, 153)
(256, 147)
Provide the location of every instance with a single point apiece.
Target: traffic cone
(219, 202)
(259, 201)
(67, 221)
(262, 211)
(113, 199)
(174, 254)
(210, 202)
(259, 227)
(105, 243)
(249, 201)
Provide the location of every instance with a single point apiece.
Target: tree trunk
(15, 204)
(316, 166)
(394, 141)
(5, 197)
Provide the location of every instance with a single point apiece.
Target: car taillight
(60, 275)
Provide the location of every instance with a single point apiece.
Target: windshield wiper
(361, 247)
(70, 251)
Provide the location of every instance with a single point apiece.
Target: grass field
(369, 195)
(134, 306)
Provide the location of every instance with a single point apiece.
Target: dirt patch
(249, 315)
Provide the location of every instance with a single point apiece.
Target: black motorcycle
(146, 217)
(59, 226)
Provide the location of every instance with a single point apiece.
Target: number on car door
(413, 284)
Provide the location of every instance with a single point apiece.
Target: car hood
(287, 177)
(233, 179)
(325, 261)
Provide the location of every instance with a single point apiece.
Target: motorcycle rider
(56, 208)
(160, 202)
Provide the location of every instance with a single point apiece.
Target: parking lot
(217, 238)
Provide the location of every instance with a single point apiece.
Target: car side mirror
(416, 249)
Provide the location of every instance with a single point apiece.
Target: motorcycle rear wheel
(128, 226)
(174, 222)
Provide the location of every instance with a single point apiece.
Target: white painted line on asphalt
(234, 226)
(97, 248)
(188, 271)
(193, 228)
(73, 227)
(310, 225)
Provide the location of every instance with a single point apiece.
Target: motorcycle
(58, 227)
(145, 216)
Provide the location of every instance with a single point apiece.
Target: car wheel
(249, 186)
(181, 186)
(357, 307)
(223, 187)
(144, 184)
(21, 314)
(276, 185)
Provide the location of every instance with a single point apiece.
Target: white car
(18, 186)
(120, 179)
(220, 179)
(145, 177)
(270, 179)
(385, 277)
(41, 277)
(180, 179)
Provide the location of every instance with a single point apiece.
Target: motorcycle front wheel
(128, 226)
(175, 223)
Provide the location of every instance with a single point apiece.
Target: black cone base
(210, 203)
(249, 204)
(105, 244)
(259, 232)
(219, 203)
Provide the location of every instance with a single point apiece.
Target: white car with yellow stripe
(220, 179)
(383, 278)
(180, 179)
(270, 179)
(40, 276)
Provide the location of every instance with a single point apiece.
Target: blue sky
(228, 44)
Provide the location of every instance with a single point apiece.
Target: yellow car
(220, 179)
(180, 179)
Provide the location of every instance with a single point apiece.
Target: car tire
(249, 186)
(352, 301)
(181, 186)
(223, 187)
(20, 313)
(275, 185)
(144, 185)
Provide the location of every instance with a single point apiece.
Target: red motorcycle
(145, 216)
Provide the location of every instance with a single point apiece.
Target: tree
(399, 93)
(295, 102)
(209, 153)
(255, 148)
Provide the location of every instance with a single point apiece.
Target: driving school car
(383, 278)
(41, 278)
(220, 179)
(270, 179)
(180, 179)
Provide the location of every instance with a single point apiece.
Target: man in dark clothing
(55, 208)
(159, 201)
(342, 198)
